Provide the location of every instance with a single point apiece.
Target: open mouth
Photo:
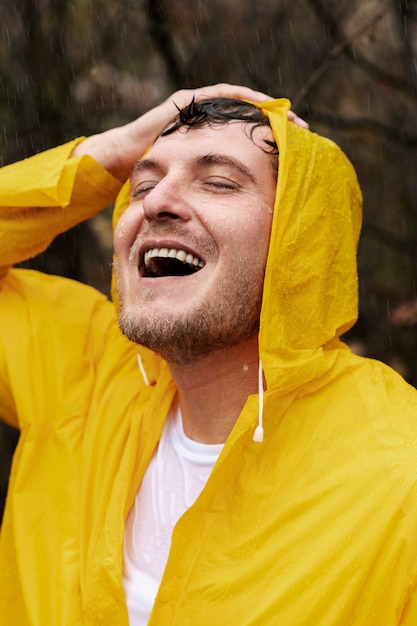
(157, 262)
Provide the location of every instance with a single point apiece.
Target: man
(232, 457)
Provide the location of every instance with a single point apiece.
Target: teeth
(173, 253)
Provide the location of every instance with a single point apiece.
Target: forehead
(234, 138)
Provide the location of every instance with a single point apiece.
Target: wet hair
(214, 112)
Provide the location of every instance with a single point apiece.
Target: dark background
(75, 67)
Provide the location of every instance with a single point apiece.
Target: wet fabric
(316, 525)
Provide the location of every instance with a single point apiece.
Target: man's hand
(119, 148)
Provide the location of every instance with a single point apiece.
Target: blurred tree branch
(343, 43)
(399, 244)
(396, 135)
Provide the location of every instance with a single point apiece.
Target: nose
(166, 201)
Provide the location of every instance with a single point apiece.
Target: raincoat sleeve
(41, 197)
(45, 195)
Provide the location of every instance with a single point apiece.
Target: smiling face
(191, 247)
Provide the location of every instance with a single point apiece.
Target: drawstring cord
(258, 435)
(143, 371)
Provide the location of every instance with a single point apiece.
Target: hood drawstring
(143, 371)
(258, 435)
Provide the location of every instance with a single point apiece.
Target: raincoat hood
(310, 287)
(310, 290)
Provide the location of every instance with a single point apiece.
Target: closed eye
(145, 175)
(141, 189)
(222, 184)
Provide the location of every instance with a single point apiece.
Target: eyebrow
(221, 159)
(144, 165)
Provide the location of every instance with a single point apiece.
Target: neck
(213, 390)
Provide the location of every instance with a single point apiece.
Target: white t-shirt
(176, 475)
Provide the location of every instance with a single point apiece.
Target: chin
(185, 338)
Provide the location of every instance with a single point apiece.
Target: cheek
(249, 241)
(258, 240)
(258, 230)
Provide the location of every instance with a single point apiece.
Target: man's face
(191, 247)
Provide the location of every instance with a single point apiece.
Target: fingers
(293, 117)
(220, 90)
(225, 90)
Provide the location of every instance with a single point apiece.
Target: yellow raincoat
(317, 525)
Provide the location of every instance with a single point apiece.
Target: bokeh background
(76, 67)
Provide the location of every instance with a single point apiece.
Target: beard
(227, 318)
